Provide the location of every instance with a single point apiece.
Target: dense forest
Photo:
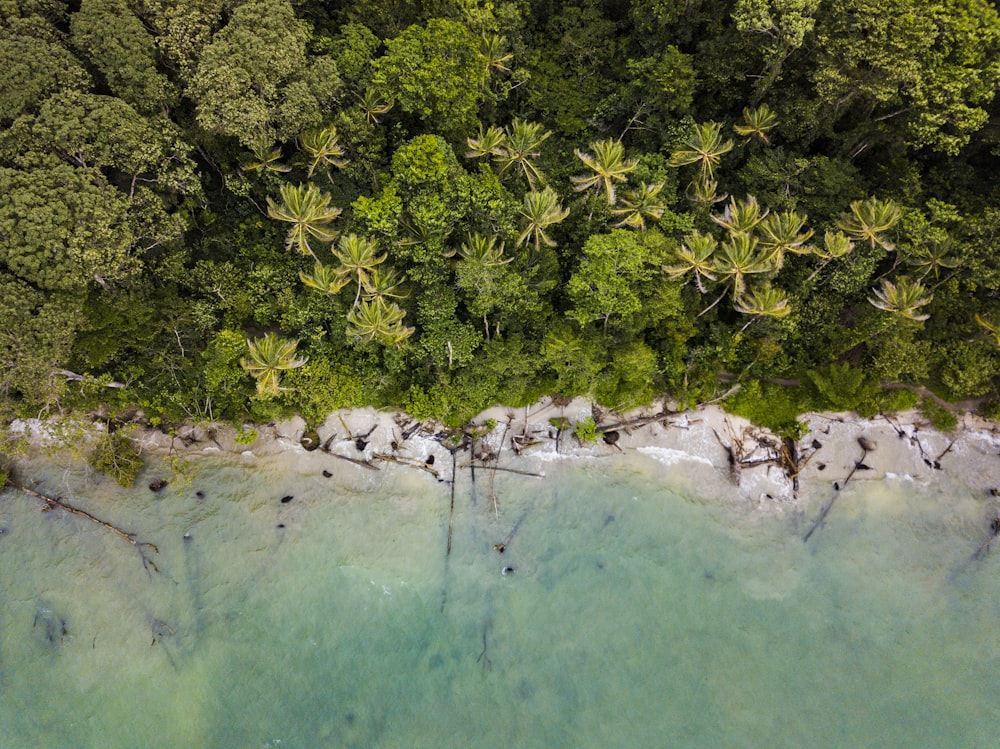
(226, 209)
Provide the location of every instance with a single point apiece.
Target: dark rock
(816, 444)
(821, 466)
(158, 485)
(360, 444)
(281, 525)
(612, 437)
(286, 499)
(199, 494)
(326, 474)
(430, 460)
(310, 440)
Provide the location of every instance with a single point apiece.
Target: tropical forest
(240, 210)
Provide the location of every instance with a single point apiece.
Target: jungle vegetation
(230, 209)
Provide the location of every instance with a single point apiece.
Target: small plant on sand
(585, 430)
(246, 436)
(940, 417)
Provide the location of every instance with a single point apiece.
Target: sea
(633, 600)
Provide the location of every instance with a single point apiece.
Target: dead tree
(54, 503)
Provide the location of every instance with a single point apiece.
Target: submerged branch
(52, 503)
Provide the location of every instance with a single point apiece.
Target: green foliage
(771, 406)
(245, 436)
(254, 82)
(35, 64)
(585, 430)
(435, 72)
(969, 368)
(841, 387)
(940, 417)
(117, 456)
(118, 44)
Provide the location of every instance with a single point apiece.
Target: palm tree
(740, 217)
(358, 258)
(265, 159)
(323, 147)
(783, 232)
(608, 164)
(704, 147)
(493, 48)
(373, 105)
(639, 205)
(705, 192)
(762, 301)
(267, 358)
(905, 297)
(835, 245)
(695, 255)
(757, 122)
(931, 257)
(738, 257)
(541, 210)
(520, 147)
(384, 282)
(489, 143)
(325, 278)
(378, 320)
(991, 328)
(870, 218)
(309, 211)
(481, 250)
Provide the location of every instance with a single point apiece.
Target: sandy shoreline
(697, 441)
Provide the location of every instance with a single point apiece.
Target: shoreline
(758, 465)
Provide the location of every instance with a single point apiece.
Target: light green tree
(309, 212)
(323, 148)
(869, 220)
(358, 257)
(640, 205)
(539, 211)
(267, 358)
(904, 297)
(607, 164)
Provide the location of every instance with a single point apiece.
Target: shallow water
(638, 613)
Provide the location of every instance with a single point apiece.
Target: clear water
(638, 613)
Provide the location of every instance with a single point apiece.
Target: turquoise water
(636, 615)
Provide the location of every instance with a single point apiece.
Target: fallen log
(52, 503)
(355, 461)
(866, 447)
(411, 462)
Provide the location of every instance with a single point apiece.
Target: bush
(585, 430)
(771, 406)
(117, 456)
(940, 418)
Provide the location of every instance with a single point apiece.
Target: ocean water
(645, 605)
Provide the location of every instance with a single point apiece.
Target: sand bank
(701, 444)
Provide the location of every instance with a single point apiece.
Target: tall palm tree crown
(308, 210)
(267, 358)
(607, 164)
(541, 210)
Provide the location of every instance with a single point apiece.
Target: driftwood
(483, 658)
(52, 503)
(866, 447)
(502, 546)
(472, 463)
(355, 461)
(411, 462)
(451, 511)
(639, 421)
